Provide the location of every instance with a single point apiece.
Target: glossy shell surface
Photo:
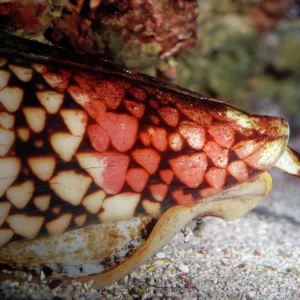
(83, 148)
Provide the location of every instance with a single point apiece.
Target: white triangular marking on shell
(3, 61)
(59, 225)
(151, 208)
(65, 144)
(4, 78)
(80, 220)
(70, 186)
(51, 100)
(25, 226)
(19, 195)
(39, 68)
(93, 202)
(42, 202)
(35, 117)
(11, 98)
(75, 120)
(57, 81)
(119, 207)
(23, 73)
(7, 138)
(7, 120)
(5, 236)
(42, 166)
(23, 133)
(79, 96)
(94, 166)
(9, 170)
(4, 210)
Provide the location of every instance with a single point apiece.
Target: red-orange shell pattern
(100, 146)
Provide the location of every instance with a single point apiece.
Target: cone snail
(100, 167)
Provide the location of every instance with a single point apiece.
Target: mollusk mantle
(101, 167)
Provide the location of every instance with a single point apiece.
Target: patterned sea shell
(100, 167)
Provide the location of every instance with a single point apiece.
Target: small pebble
(54, 284)
(42, 275)
(160, 255)
(183, 268)
(251, 293)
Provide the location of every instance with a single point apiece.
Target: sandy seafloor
(255, 257)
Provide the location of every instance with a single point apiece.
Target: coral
(134, 33)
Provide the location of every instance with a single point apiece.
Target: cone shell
(85, 149)
(110, 145)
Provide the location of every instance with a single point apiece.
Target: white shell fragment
(183, 268)
(70, 186)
